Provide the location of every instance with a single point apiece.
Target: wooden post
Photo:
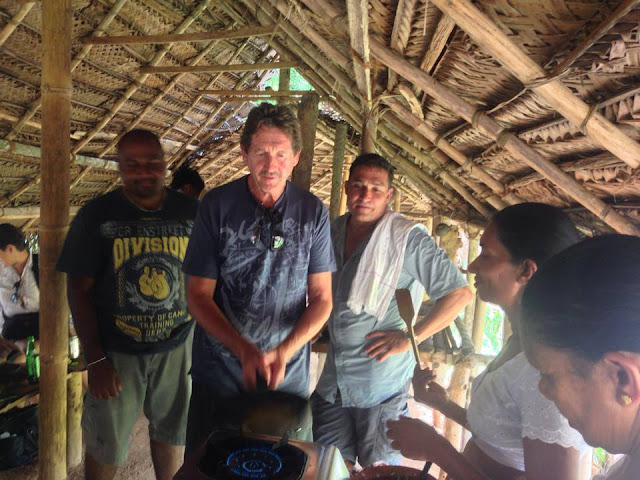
(284, 83)
(369, 133)
(345, 175)
(397, 200)
(458, 393)
(57, 19)
(338, 162)
(474, 249)
(74, 417)
(308, 117)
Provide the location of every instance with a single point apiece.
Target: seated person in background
(188, 181)
(369, 363)
(19, 292)
(581, 328)
(517, 432)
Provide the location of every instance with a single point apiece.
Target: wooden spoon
(405, 307)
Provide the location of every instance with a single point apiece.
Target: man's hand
(417, 440)
(104, 381)
(426, 391)
(253, 364)
(386, 343)
(277, 364)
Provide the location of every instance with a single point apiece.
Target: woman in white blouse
(517, 432)
(581, 329)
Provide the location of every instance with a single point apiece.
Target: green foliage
(492, 337)
(297, 82)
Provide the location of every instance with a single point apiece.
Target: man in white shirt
(19, 292)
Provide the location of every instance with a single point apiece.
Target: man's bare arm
(443, 313)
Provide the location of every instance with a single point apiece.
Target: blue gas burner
(254, 462)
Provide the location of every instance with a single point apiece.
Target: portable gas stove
(242, 456)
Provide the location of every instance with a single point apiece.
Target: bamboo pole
(338, 162)
(35, 106)
(13, 23)
(358, 19)
(474, 249)
(26, 213)
(397, 201)
(461, 159)
(236, 67)
(54, 314)
(259, 31)
(284, 84)
(348, 159)
(516, 146)
(369, 132)
(458, 389)
(308, 117)
(478, 323)
(258, 93)
(74, 417)
(495, 42)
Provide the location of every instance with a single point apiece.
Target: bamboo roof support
(448, 178)
(400, 33)
(358, 16)
(308, 110)
(338, 162)
(26, 186)
(210, 84)
(27, 213)
(439, 41)
(473, 234)
(369, 131)
(513, 144)
(25, 227)
(284, 84)
(167, 88)
(420, 127)
(57, 19)
(259, 31)
(140, 79)
(257, 93)
(13, 23)
(231, 164)
(397, 201)
(211, 162)
(494, 41)
(35, 106)
(236, 67)
(194, 136)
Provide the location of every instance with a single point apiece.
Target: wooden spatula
(405, 307)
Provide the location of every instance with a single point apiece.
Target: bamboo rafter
(236, 67)
(182, 37)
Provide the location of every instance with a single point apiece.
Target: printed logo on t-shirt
(146, 261)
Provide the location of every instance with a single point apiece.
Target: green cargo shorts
(158, 384)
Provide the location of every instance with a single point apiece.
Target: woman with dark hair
(516, 431)
(581, 329)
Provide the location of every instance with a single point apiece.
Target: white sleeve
(541, 419)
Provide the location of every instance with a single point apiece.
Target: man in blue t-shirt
(259, 262)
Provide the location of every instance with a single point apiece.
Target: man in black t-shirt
(123, 255)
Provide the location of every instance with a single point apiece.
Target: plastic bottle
(33, 360)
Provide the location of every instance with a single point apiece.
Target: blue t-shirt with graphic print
(260, 260)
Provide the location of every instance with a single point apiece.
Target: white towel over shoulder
(376, 279)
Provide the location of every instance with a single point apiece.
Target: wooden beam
(237, 67)
(338, 161)
(495, 42)
(517, 147)
(358, 16)
(13, 23)
(57, 21)
(400, 33)
(257, 93)
(183, 37)
(284, 84)
(438, 43)
(308, 118)
(27, 213)
(140, 79)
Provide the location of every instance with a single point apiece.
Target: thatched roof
(590, 46)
